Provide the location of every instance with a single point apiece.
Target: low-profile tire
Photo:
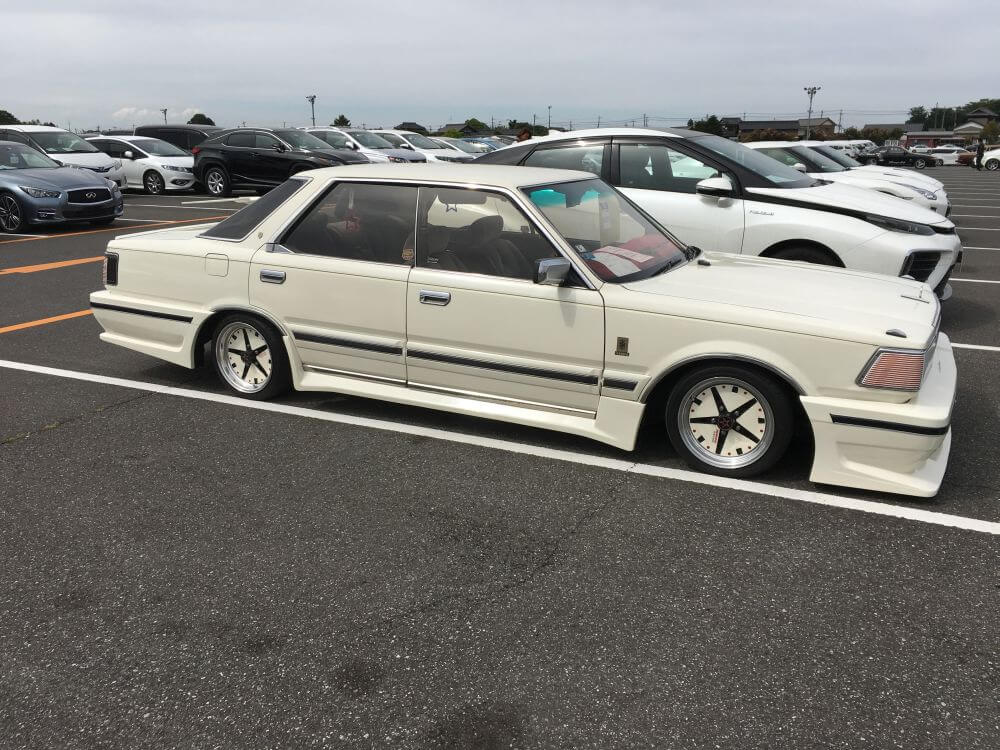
(153, 183)
(250, 357)
(11, 214)
(806, 254)
(217, 182)
(992, 164)
(919, 163)
(745, 436)
(107, 221)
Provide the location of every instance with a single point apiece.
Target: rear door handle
(269, 276)
(434, 298)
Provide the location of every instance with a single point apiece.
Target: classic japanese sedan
(545, 298)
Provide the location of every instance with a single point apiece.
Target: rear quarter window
(244, 221)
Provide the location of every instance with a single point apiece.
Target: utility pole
(645, 120)
(550, 117)
(312, 106)
(534, 119)
(811, 90)
(840, 122)
(598, 121)
(164, 111)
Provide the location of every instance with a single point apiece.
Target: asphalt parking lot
(183, 569)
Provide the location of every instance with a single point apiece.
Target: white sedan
(150, 164)
(991, 160)
(545, 298)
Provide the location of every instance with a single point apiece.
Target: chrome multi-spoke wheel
(726, 421)
(992, 165)
(729, 420)
(217, 181)
(10, 214)
(250, 356)
(243, 357)
(153, 183)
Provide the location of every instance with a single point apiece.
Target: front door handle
(269, 276)
(434, 298)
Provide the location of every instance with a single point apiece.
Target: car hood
(914, 177)
(63, 178)
(800, 297)
(97, 159)
(854, 199)
(869, 181)
(346, 155)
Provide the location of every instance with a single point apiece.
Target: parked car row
(547, 297)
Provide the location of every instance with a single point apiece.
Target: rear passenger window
(245, 140)
(244, 221)
(359, 221)
(585, 158)
(477, 232)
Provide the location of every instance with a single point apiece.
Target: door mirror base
(715, 187)
(552, 271)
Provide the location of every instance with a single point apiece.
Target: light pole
(550, 117)
(164, 111)
(312, 105)
(811, 90)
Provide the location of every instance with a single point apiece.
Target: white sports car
(546, 298)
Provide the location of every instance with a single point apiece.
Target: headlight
(926, 193)
(172, 168)
(116, 164)
(898, 225)
(896, 369)
(398, 159)
(39, 193)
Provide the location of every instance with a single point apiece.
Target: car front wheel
(11, 216)
(919, 163)
(729, 420)
(153, 183)
(993, 165)
(250, 357)
(217, 182)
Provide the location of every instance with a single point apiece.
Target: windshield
(62, 142)
(463, 146)
(156, 147)
(369, 140)
(301, 139)
(838, 156)
(17, 156)
(760, 164)
(394, 139)
(811, 160)
(608, 232)
(332, 138)
(419, 141)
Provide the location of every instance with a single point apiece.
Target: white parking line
(614, 464)
(983, 229)
(209, 200)
(188, 208)
(977, 347)
(975, 281)
(974, 216)
(150, 221)
(14, 234)
(968, 247)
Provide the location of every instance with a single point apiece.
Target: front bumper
(886, 447)
(60, 210)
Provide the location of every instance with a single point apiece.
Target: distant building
(817, 126)
(792, 129)
(462, 127)
(982, 116)
(789, 128)
(415, 127)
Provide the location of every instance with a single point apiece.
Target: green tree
(200, 119)
(991, 131)
(852, 134)
(342, 122)
(6, 118)
(478, 125)
(709, 124)
(918, 114)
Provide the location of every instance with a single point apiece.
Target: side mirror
(715, 187)
(128, 155)
(552, 271)
(278, 147)
(800, 166)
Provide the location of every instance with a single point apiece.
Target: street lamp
(811, 90)
(550, 117)
(164, 111)
(312, 104)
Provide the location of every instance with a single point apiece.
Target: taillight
(196, 150)
(110, 273)
(895, 369)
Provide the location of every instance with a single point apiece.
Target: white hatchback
(149, 164)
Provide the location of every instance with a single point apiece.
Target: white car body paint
(135, 169)
(818, 326)
(99, 162)
(442, 154)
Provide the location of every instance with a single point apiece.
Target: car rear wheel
(153, 183)
(919, 163)
(729, 420)
(217, 182)
(992, 164)
(250, 357)
(11, 216)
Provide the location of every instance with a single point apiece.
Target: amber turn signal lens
(897, 370)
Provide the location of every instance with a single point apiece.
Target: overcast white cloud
(121, 62)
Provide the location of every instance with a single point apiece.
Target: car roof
(486, 175)
(35, 129)
(571, 135)
(182, 126)
(774, 144)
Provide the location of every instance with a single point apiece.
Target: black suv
(260, 158)
(182, 136)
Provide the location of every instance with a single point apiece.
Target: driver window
(359, 221)
(655, 167)
(475, 231)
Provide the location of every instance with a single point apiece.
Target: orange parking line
(44, 321)
(201, 220)
(50, 266)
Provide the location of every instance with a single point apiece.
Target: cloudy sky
(116, 63)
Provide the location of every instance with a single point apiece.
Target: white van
(66, 148)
